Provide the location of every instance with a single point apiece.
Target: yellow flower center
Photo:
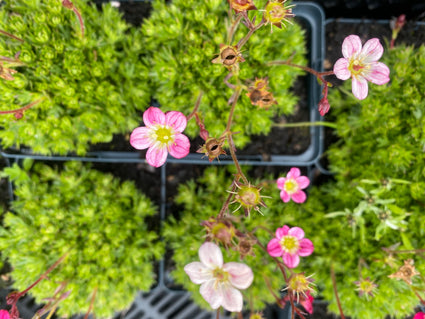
(220, 275)
(356, 67)
(299, 283)
(164, 134)
(290, 186)
(275, 12)
(289, 244)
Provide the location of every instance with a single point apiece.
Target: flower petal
(299, 197)
(274, 249)
(212, 294)
(359, 87)
(341, 69)
(140, 139)
(152, 116)
(306, 247)
(379, 74)
(241, 276)
(297, 232)
(198, 272)
(302, 182)
(372, 50)
(280, 182)
(293, 173)
(232, 299)
(291, 261)
(156, 155)
(210, 255)
(180, 147)
(283, 231)
(4, 314)
(285, 196)
(176, 120)
(351, 45)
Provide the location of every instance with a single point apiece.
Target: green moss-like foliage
(99, 221)
(93, 86)
(203, 199)
(182, 38)
(379, 165)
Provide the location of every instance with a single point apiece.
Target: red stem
(11, 35)
(336, 292)
(91, 303)
(80, 19)
(22, 108)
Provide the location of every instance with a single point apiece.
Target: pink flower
(419, 315)
(162, 134)
(292, 185)
(219, 283)
(290, 244)
(4, 314)
(360, 63)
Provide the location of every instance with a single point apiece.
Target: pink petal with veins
(306, 247)
(351, 45)
(291, 261)
(274, 249)
(297, 232)
(380, 74)
(359, 87)
(156, 155)
(341, 69)
(176, 120)
(152, 116)
(140, 139)
(372, 50)
(180, 147)
(198, 272)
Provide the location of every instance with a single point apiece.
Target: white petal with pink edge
(379, 74)
(156, 155)
(351, 45)
(306, 247)
(210, 255)
(297, 232)
(291, 261)
(341, 69)
(152, 116)
(359, 87)
(232, 299)
(176, 120)
(212, 294)
(299, 197)
(180, 147)
(372, 51)
(274, 248)
(140, 139)
(241, 275)
(198, 272)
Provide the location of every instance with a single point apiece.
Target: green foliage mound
(99, 222)
(203, 199)
(378, 198)
(92, 86)
(182, 38)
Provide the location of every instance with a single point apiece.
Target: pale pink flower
(290, 244)
(162, 135)
(419, 315)
(361, 64)
(292, 185)
(219, 282)
(4, 314)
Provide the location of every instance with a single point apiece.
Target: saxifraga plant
(99, 222)
(91, 87)
(182, 39)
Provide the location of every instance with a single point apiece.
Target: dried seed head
(229, 56)
(212, 148)
(220, 230)
(242, 5)
(406, 272)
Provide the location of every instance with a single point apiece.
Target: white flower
(219, 282)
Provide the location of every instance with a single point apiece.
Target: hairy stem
(195, 109)
(336, 292)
